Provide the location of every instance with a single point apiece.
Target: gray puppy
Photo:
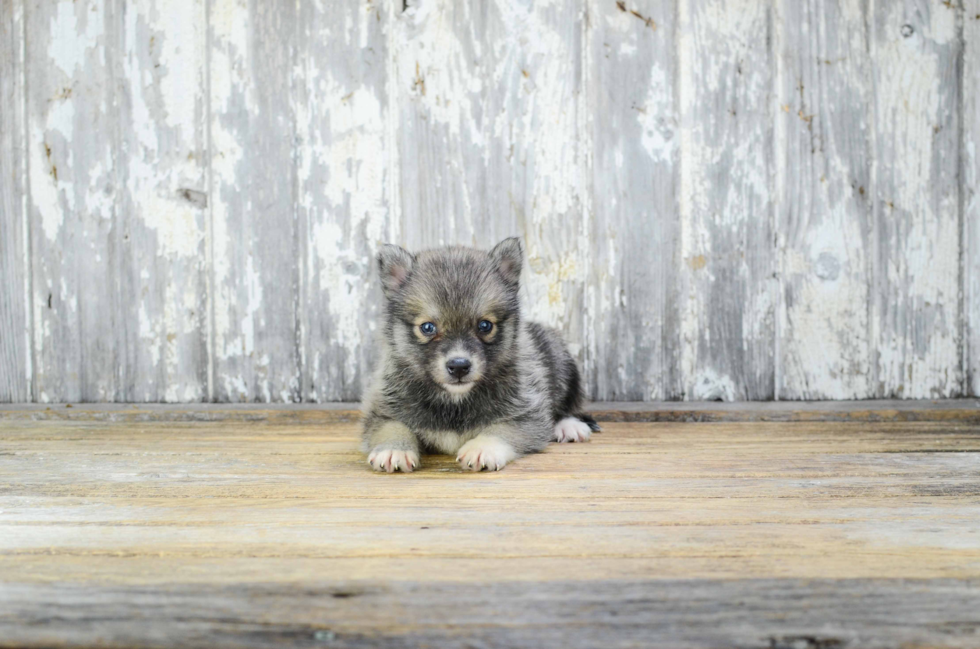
(460, 371)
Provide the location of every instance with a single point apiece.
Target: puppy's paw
(572, 429)
(383, 459)
(485, 452)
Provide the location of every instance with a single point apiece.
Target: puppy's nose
(459, 367)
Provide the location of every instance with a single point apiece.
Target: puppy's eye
(485, 326)
(427, 328)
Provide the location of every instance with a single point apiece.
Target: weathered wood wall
(720, 199)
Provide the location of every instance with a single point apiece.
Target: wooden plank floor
(231, 533)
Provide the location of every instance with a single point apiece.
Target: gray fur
(525, 379)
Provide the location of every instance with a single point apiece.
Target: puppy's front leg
(497, 445)
(393, 447)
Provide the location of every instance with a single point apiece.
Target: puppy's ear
(394, 263)
(509, 257)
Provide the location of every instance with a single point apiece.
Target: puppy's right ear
(394, 263)
(509, 257)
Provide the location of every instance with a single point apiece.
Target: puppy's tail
(586, 419)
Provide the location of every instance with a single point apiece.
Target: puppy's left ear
(509, 257)
(394, 264)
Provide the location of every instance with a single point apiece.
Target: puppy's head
(453, 313)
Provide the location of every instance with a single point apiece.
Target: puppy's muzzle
(458, 367)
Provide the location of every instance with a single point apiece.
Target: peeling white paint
(823, 203)
(725, 200)
(532, 64)
(711, 386)
(342, 132)
(228, 70)
(72, 38)
(500, 101)
(656, 117)
(918, 319)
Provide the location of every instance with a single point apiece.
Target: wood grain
(824, 205)
(633, 345)
(75, 179)
(341, 104)
(812, 614)
(438, 86)
(728, 292)
(16, 370)
(916, 294)
(118, 186)
(162, 200)
(538, 138)
(254, 233)
(258, 534)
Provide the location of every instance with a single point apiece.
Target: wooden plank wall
(720, 199)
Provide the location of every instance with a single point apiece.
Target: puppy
(461, 372)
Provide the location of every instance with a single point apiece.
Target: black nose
(459, 367)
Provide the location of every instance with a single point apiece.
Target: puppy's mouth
(458, 387)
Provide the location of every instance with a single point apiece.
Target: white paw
(485, 452)
(572, 429)
(383, 459)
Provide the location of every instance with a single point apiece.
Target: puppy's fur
(522, 389)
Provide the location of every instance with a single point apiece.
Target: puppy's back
(564, 381)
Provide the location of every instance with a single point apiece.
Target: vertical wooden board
(162, 164)
(634, 225)
(916, 313)
(823, 198)
(971, 195)
(538, 155)
(726, 269)
(254, 245)
(490, 119)
(72, 133)
(438, 60)
(15, 326)
(340, 99)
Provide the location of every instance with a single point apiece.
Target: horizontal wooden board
(966, 410)
(760, 614)
(263, 533)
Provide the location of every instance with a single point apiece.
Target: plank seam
(963, 341)
(774, 193)
(209, 227)
(123, 358)
(587, 142)
(874, 278)
(27, 207)
(391, 150)
(300, 238)
(950, 411)
(968, 197)
(673, 385)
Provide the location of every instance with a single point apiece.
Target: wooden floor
(122, 531)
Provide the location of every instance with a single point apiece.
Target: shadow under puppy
(460, 371)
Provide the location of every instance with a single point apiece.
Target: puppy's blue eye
(427, 328)
(485, 326)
